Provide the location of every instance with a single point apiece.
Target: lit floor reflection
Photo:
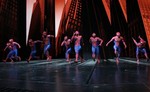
(89, 76)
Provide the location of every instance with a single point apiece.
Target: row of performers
(13, 48)
(77, 39)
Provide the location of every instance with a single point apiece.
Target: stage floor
(60, 76)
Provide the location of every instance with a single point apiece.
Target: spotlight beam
(29, 9)
(59, 6)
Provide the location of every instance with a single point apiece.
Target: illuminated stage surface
(59, 76)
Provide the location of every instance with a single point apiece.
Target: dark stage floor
(59, 76)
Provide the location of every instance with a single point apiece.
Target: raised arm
(141, 39)
(110, 41)
(134, 41)
(72, 37)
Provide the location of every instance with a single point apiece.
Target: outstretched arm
(110, 41)
(6, 47)
(62, 43)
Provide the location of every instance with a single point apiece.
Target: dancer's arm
(38, 41)
(124, 43)
(143, 41)
(50, 35)
(110, 41)
(62, 43)
(134, 41)
(101, 41)
(17, 44)
(6, 47)
(72, 37)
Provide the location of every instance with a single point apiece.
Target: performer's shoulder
(114, 37)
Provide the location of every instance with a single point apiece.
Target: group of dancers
(13, 48)
(96, 42)
(77, 39)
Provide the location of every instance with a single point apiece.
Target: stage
(89, 76)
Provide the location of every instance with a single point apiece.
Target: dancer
(77, 38)
(47, 44)
(10, 54)
(140, 47)
(32, 45)
(13, 53)
(117, 50)
(67, 43)
(94, 40)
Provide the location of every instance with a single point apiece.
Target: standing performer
(47, 44)
(140, 47)
(77, 45)
(67, 43)
(117, 50)
(13, 53)
(32, 45)
(94, 40)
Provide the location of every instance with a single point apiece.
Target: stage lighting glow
(59, 6)
(129, 61)
(144, 6)
(106, 4)
(29, 9)
(66, 1)
(88, 62)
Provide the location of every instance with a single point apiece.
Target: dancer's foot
(67, 60)
(117, 61)
(49, 58)
(76, 61)
(28, 60)
(12, 61)
(98, 61)
(4, 61)
(137, 61)
(82, 60)
(19, 58)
